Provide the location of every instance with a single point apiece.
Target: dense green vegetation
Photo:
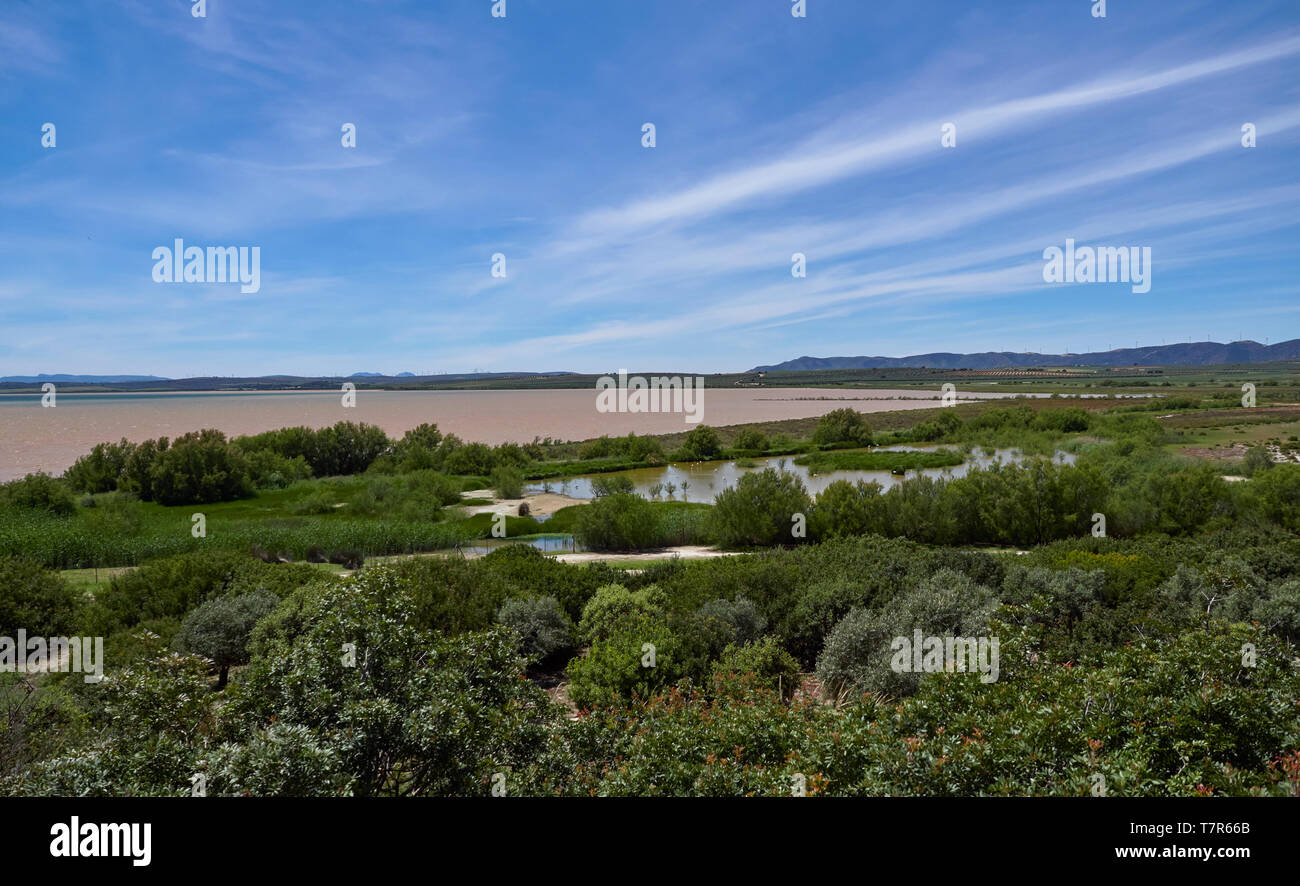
(1156, 648)
(1109, 664)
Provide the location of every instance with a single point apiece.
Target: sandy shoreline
(543, 504)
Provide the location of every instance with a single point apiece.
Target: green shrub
(859, 652)
(344, 448)
(619, 522)
(102, 470)
(199, 468)
(1064, 421)
(508, 481)
(541, 623)
(749, 440)
(1256, 460)
(421, 713)
(701, 444)
(741, 615)
(36, 600)
(1279, 611)
(775, 668)
(138, 473)
(39, 492)
(470, 458)
(640, 449)
(219, 629)
(170, 587)
(643, 654)
(270, 470)
(612, 606)
(844, 509)
(842, 426)
(763, 508)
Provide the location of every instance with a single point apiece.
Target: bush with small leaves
(741, 614)
(842, 426)
(219, 629)
(543, 627)
(102, 469)
(858, 653)
(508, 481)
(1279, 611)
(763, 508)
(701, 444)
(613, 605)
(36, 600)
(39, 492)
(199, 468)
(618, 522)
(749, 440)
(775, 668)
(1256, 460)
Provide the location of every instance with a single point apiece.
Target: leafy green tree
(102, 469)
(1277, 496)
(643, 654)
(471, 459)
(741, 615)
(844, 509)
(39, 492)
(842, 426)
(199, 468)
(1065, 421)
(423, 437)
(613, 605)
(749, 440)
(345, 448)
(763, 508)
(1256, 460)
(613, 484)
(157, 718)
(409, 712)
(701, 443)
(219, 629)
(775, 668)
(858, 653)
(508, 481)
(270, 470)
(619, 522)
(543, 626)
(1279, 612)
(35, 599)
(138, 473)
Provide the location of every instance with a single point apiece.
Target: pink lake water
(36, 438)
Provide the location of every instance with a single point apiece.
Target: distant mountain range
(120, 379)
(260, 382)
(1185, 354)
(1205, 353)
(78, 379)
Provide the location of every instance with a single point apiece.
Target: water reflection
(545, 543)
(702, 481)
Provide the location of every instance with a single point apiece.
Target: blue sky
(522, 136)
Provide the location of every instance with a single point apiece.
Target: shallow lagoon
(702, 481)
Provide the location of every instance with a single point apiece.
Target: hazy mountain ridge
(260, 382)
(1180, 354)
(78, 379)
